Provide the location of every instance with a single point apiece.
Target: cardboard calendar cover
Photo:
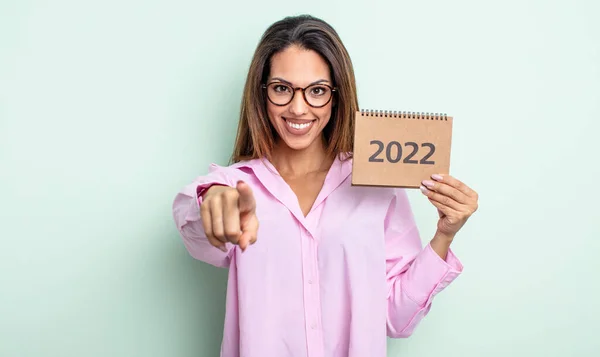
(400, 149)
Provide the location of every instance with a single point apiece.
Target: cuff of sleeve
(193, 213)
(429, 274)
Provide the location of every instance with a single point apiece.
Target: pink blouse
(332, 284)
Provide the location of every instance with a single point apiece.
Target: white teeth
(298, 126)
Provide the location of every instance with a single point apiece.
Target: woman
(317, 267)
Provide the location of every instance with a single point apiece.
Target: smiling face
(298, 124)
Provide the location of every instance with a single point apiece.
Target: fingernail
(424, 189)
(437, 177)
(428, 183)
(223, 249)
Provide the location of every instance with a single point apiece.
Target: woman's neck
(293, 163)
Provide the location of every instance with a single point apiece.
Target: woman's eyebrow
(291, 85)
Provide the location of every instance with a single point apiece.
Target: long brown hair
(255, 135)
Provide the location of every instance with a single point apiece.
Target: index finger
(246, 202)
(457, 184)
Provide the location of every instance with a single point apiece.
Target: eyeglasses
(315, 95)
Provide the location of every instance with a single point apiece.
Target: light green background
(107, 108)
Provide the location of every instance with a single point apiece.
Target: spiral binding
(403, 114)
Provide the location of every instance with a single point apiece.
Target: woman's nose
(298, 106)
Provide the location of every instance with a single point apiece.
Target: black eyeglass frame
(295, 89)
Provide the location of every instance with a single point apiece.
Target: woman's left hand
(454, 200)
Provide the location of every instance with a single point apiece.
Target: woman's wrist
(441, 243)
(443, 237)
